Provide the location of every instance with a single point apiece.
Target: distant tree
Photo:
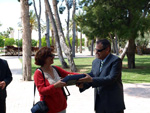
(6, 34)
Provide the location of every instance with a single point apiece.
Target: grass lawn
(141, 74)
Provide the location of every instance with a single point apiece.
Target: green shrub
(83, 42)
(18, 43)
(43, 40)
(34, 43)
(9, 41)
(70, 41)
(43, 43)
(1, 42)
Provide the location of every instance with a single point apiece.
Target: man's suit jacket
(5, 75)
(109, 83)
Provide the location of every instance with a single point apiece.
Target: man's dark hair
(105, 43)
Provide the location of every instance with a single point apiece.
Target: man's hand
(2, 84)
(80, 85)
(87, 78)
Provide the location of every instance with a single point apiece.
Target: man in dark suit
(5, 79)
(105, 77)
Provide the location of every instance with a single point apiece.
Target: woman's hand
(59, 84)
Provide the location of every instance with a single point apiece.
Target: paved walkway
(20, 95)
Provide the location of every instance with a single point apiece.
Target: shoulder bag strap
(64, 86)
(35, 85)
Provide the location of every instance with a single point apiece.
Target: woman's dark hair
(42, 54)
(105, 43)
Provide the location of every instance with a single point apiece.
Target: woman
(52, 93)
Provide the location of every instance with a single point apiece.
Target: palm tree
(33, 21)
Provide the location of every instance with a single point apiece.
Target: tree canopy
(125, 17)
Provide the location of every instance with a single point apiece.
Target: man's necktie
(101, 66)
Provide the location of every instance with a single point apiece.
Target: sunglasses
(100, 50)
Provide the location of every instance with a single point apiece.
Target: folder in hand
(72, 79)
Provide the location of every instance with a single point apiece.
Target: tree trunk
(64, 46)
(38, 18)
(73, 28)
(131, 54)
(124, 51)
(86, 42)
(76, 42)
(68, 19)
(53, 39)
(80, 42)
(59, 51)
(92, 45)
(113, 44)
(26, 40)
(116, 44)
(47, 30)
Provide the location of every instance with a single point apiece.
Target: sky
(10, 14)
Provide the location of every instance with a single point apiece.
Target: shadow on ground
(138, 92)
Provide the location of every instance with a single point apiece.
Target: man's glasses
(100, 50)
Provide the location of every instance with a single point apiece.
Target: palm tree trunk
(26, 40)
